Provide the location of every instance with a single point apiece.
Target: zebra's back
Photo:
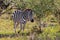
(17, 15)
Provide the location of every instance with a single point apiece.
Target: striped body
(18, 16)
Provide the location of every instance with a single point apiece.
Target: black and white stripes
(21, 17)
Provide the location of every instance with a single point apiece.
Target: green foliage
(40, 7)
(43, 9)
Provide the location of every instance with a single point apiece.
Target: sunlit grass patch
(14, 38)
(6, 26)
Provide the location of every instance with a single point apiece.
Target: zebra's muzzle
(32, 20)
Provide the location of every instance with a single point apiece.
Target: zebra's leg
(15, 25)
(20, 27)
(24, 26)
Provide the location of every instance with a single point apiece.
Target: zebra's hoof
(19, 31)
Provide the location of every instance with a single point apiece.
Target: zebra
(21, 17)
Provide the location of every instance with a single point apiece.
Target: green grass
(14, 38)
(7, 28)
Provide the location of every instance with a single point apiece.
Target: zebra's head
(30, 15)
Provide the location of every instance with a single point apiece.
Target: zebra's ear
(32, 11)
(28, 9)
